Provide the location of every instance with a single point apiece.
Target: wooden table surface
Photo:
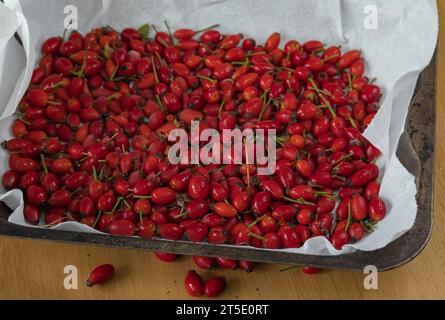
(34, 270)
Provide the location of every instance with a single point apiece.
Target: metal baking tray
(416, 152)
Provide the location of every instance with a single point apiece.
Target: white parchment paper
(396, 52)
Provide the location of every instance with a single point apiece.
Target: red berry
(213, 287)
(100, 275)
(194, 284)
(204, 262)
(377, 210)
(311, 270)
(166, 257)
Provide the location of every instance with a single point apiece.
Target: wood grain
(34, 270)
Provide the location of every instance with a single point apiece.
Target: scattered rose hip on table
(311, 270)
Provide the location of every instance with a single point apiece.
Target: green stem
(126, 203)
(285, 69)
(255, 222)
(113, 75)
(256, 53)
(353, 124)
(94, 173)
(223, 103)
(264, 109)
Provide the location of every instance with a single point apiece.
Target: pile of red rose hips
(90, 138)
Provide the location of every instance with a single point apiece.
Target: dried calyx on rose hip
(90, 139)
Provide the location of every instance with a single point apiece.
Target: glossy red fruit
(37, 98)
(217, 235)
(61, 166)
(196, 232)
(52, 45)
(227, 263)
(218, 192)
(241, 201)
(146, 229)
(349, 58)
(101, 275)
(272, 42)
(261, 203)
(359, 208)
(290, 238)
(75, 181)
(96, 189)
(25, 165)
(213, 287)
(272, 241)
(106, 202)
(371, 94)
(305, 216)
(362, 178)
(194, 284)
(197, 209)
(274, 189)
(356, 231)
